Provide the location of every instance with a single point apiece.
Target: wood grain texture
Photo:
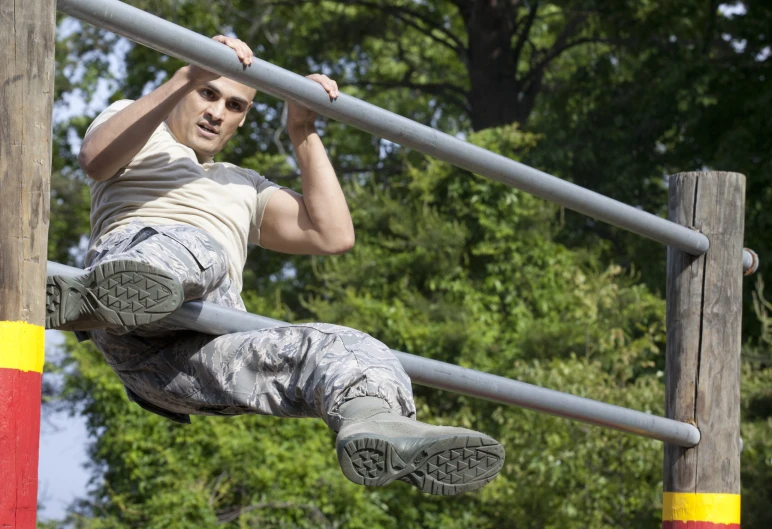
(704, 312)
(27, 43)
(26, 105)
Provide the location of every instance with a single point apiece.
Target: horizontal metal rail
(214, 319)
(750, 261)
(171, 39)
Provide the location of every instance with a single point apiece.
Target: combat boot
(377, 446)
(115, 294)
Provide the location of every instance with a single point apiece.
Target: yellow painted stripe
(22, 346)
(702, 507)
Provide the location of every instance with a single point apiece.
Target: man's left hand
(300, 115)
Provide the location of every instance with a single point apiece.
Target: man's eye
(206, 93)
(235, 106)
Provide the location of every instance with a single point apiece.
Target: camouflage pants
(305, 370)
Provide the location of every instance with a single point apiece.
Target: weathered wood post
(704, 317)
(26, 104)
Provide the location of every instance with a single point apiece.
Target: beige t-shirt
(165, 184)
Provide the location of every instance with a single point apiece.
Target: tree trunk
(495, 92)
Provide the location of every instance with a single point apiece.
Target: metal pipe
(213, 319)
(750, 261)
(171, 39)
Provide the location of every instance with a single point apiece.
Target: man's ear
(245, 115)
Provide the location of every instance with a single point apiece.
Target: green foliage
(756, 401)
(678, 87)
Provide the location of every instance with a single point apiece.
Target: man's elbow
(86, 163)
(340, 244)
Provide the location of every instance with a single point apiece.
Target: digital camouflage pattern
(305, 370)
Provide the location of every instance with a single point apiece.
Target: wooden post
(26, 104)
(704, 317)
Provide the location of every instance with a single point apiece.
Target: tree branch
(569, 29)
(461, 4)
(429, 32)
(555, 51)
(423, 18)
(710, 26)
(430, 88)
(523, 37)
(400, 12)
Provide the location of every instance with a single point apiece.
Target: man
(169, 224)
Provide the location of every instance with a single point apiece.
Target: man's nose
(216, 110)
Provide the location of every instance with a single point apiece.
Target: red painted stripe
(19, 444)
(698, 525)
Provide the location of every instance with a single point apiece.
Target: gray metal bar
(750, 261)
(213, 319)
(189, 46)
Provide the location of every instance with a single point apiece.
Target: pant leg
(304, 370)
(293, 371)
(190, 254)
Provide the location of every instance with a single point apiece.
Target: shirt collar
(169, 130)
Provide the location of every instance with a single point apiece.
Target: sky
(63, 440)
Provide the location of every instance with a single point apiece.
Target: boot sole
(118, 293)
(443, 465)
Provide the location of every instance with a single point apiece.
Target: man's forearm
(322, 194)
(118, 140)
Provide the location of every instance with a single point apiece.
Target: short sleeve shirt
(166, 184)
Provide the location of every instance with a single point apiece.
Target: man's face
(207, 117)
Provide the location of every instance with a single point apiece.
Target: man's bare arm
(318, 221)
(114, 143)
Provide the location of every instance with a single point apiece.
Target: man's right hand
(244, 53)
